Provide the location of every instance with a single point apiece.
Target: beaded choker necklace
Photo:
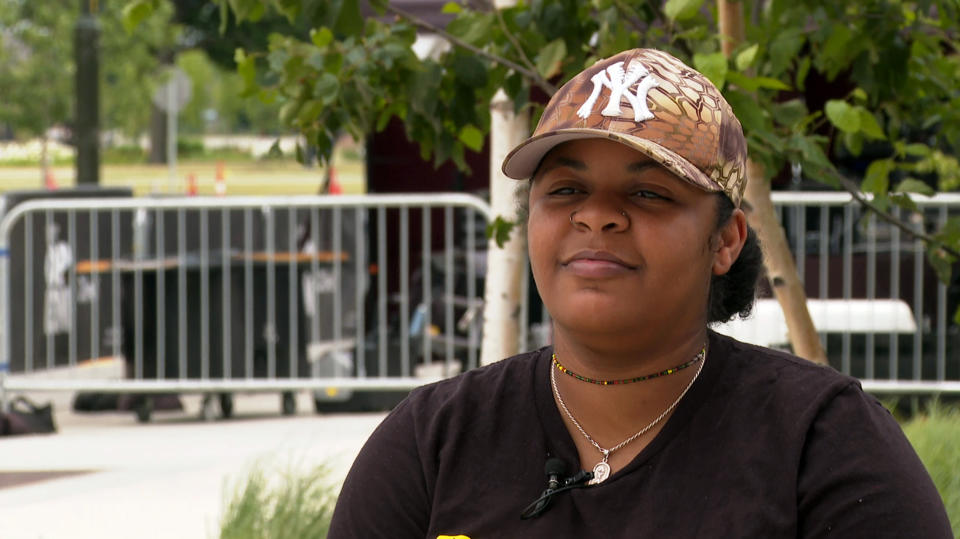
(601, 471)
(667, 372)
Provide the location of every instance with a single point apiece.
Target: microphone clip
(554, 487)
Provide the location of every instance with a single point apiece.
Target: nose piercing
(574, 212)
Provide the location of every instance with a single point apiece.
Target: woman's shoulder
(774, 374)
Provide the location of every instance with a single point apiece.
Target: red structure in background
(394, 165)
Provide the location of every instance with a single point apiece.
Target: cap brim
(521, 163)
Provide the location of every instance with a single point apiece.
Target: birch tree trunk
(777, 258)
(44, 160)
(501, 310)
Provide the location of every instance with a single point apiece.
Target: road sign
(173, 95)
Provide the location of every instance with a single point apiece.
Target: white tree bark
(501, 312)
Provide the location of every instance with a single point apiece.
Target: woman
(637, 243)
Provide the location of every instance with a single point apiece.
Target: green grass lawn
(268, 177)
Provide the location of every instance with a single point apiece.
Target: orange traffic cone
(49, 181)
(220, 181)
(191, 184)
(334, 188)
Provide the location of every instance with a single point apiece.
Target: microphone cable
(554, 468)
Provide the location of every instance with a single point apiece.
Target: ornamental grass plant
(299, 505)
(294, 505)
(935, 434)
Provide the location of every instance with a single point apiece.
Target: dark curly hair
(732, 293)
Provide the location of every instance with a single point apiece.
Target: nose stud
(574, 212)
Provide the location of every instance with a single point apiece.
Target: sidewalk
(169, 478)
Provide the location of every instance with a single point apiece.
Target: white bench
(768, 327)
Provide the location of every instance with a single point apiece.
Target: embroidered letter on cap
(619, 83)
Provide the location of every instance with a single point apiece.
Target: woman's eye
(565, 191)
(649, 195)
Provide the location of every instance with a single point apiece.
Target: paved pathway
(167, 479)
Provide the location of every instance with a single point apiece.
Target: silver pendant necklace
(601, 471)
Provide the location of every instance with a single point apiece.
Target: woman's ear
(728, 242)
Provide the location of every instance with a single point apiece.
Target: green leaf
(843, 116)
(746, 57)
(470, 71)
(917, 150)
(300, 154)
(942, 263)
(267, 96)
(904, 201)
(751, 115)
(679, 10)
(326, 88)
(288, 112)
(869, 124)
(321, 37)
(950, 233)
(349, 21)
(912, 185)
(836, 51)
(800, 80)
(854, 143)
(739, 80)
(784, 49)
(474, 28)
(882, 202)
(771, 83)
(713, 66)
(247, 69)
(451, 8)
(380, 6)
(224, 16)
(877, 179)
(752, 84)
(789, 113)
(500, 230)
(288, 8)
(135, 12)
(471, 137)
(550, 57)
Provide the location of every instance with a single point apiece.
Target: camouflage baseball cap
(654, 103)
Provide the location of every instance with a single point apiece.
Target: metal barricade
(883, 315)
(240, 294)
(382, 293)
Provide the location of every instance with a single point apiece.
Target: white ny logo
(619, 82)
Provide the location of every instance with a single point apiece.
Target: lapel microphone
(555, 468)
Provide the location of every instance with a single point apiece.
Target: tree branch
(854, 191)
(532, 75)
(516, 44)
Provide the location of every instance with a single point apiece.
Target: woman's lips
(597, 265)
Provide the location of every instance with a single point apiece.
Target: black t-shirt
(763, 445)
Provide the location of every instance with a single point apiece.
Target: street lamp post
(86, 129)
